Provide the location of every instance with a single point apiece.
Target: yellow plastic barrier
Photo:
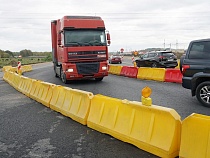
(157, 74)
(16, 81)
(25, 85)
(113, 69)
(13, 69)
(142, 72)
(58, 97)
(45, 93)
(6, 75)
(26, 68)
(35, 86)
(154, 129)
(178, 66)
(195, 137)
(6, 68)
(10, 77)
(76, 105)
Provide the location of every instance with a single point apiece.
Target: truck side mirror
(108, 38)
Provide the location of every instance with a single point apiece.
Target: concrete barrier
(157, 74)
(154, 129)
(195, 137)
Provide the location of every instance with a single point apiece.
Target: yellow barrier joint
(145, 98)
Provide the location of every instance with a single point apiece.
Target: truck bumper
(75, 72)
(74, 76)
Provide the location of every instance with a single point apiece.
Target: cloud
(133, 25)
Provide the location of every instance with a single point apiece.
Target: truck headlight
(70, 70)
(104, 67)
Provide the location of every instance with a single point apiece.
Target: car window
(167, 54)
(200, 50)
(145, 55)
(152, 55)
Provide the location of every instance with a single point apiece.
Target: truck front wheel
(203, 93)
(56, 75)
(63, 77)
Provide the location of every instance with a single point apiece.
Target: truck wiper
(96, 43)
(86, 44)
(74, 43)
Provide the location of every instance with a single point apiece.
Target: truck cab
(79, 48)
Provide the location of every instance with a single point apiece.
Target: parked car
(165, 59)
(195, 67)
(115, 59)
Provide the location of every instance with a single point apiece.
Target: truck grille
(86, 56)
(87, 68)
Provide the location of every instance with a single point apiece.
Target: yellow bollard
(145, 98)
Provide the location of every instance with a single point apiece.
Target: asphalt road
(165, 94)
(29, 129)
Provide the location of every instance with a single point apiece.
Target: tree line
(22, 53)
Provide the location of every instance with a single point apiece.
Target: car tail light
(161, 58)
(184, 68)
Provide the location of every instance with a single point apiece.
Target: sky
(133, 25)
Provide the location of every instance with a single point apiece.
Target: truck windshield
(84, 38)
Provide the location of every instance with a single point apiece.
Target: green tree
(26, 53)
(6, 55)
(48, 58)
(1, 53)
(9, 52)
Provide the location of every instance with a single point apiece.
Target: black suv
(165, 59)
(195, 67)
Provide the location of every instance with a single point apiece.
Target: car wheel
(203, 93)
(63, 77)
(154, 65)
(99, 79)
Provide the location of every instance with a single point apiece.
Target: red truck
(79, 48)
